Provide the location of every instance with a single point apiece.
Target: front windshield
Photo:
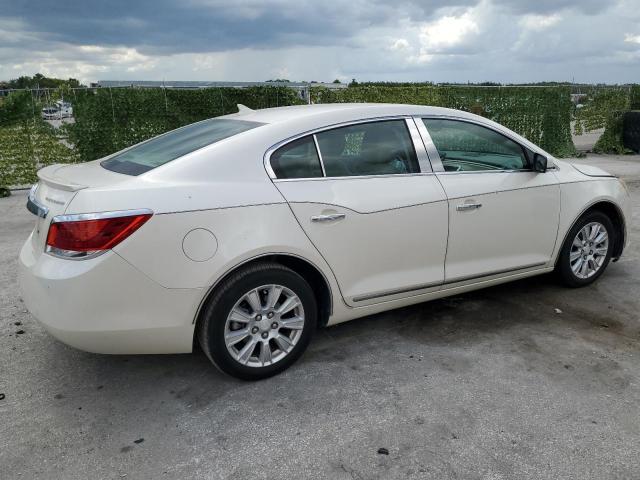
(165, 148)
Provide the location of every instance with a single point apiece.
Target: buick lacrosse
(246, 232)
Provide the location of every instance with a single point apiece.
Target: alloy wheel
(589, 250)
(264, 325)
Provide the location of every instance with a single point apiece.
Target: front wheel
(258, 322)
(587, 250)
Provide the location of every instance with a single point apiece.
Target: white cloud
(448, 31)
(629, 38)
(400, 44)
(443, 35)
(539, 22)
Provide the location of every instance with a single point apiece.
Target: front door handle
(328, 218)
(468, 206)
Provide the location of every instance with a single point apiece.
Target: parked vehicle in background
(65, 109)
(246, 232)
(50, 113)
(58, 111)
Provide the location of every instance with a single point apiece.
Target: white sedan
(247, 232)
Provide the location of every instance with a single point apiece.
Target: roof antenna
(244, 109)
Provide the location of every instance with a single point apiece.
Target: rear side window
(298, 159)
(376, 148)
(165, 148)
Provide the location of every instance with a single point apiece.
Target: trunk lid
(56, 187)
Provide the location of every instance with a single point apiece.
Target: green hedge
(26, 142)
(604, 108)
(540, 114)
(108, 120)
(27, 147)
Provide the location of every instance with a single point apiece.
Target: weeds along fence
(110, 119)
(540, 114)
(26, 142)
(605, 108)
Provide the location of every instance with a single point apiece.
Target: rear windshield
(160, 150)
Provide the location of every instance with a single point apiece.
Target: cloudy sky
(412, 40)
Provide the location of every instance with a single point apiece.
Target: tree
(41, 81)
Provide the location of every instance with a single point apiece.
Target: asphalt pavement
(528, 380)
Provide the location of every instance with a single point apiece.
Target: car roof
(291, 120)
(282, 124)
(343, 110)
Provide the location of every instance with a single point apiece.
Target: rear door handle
(328, 218)
(468, 206)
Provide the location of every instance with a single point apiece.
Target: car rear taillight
(88, 235)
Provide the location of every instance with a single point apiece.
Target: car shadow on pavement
(526, 320)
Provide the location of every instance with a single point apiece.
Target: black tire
(211, 325)
(563, 267)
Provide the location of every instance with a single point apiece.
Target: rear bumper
(105, 305)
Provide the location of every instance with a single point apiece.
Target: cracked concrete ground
(495, 384)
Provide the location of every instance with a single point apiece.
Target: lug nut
(258, 318)
(270, 315)
(265, 334)
(274, 325)
(254, 330)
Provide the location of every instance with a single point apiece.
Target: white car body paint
(402, 239)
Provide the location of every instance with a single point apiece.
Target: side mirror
(539, 163)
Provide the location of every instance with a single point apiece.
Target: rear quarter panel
(241, 233)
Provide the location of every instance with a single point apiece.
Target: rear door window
(165, 148)
(374, 148)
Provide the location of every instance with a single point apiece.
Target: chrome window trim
(430, 147)
(467, 172)
(418, 146)
(319, 153)
(78, 217)
(267, 155)
(355, 177)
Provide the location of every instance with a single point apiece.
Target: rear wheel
(259, 322)
(587, 250)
